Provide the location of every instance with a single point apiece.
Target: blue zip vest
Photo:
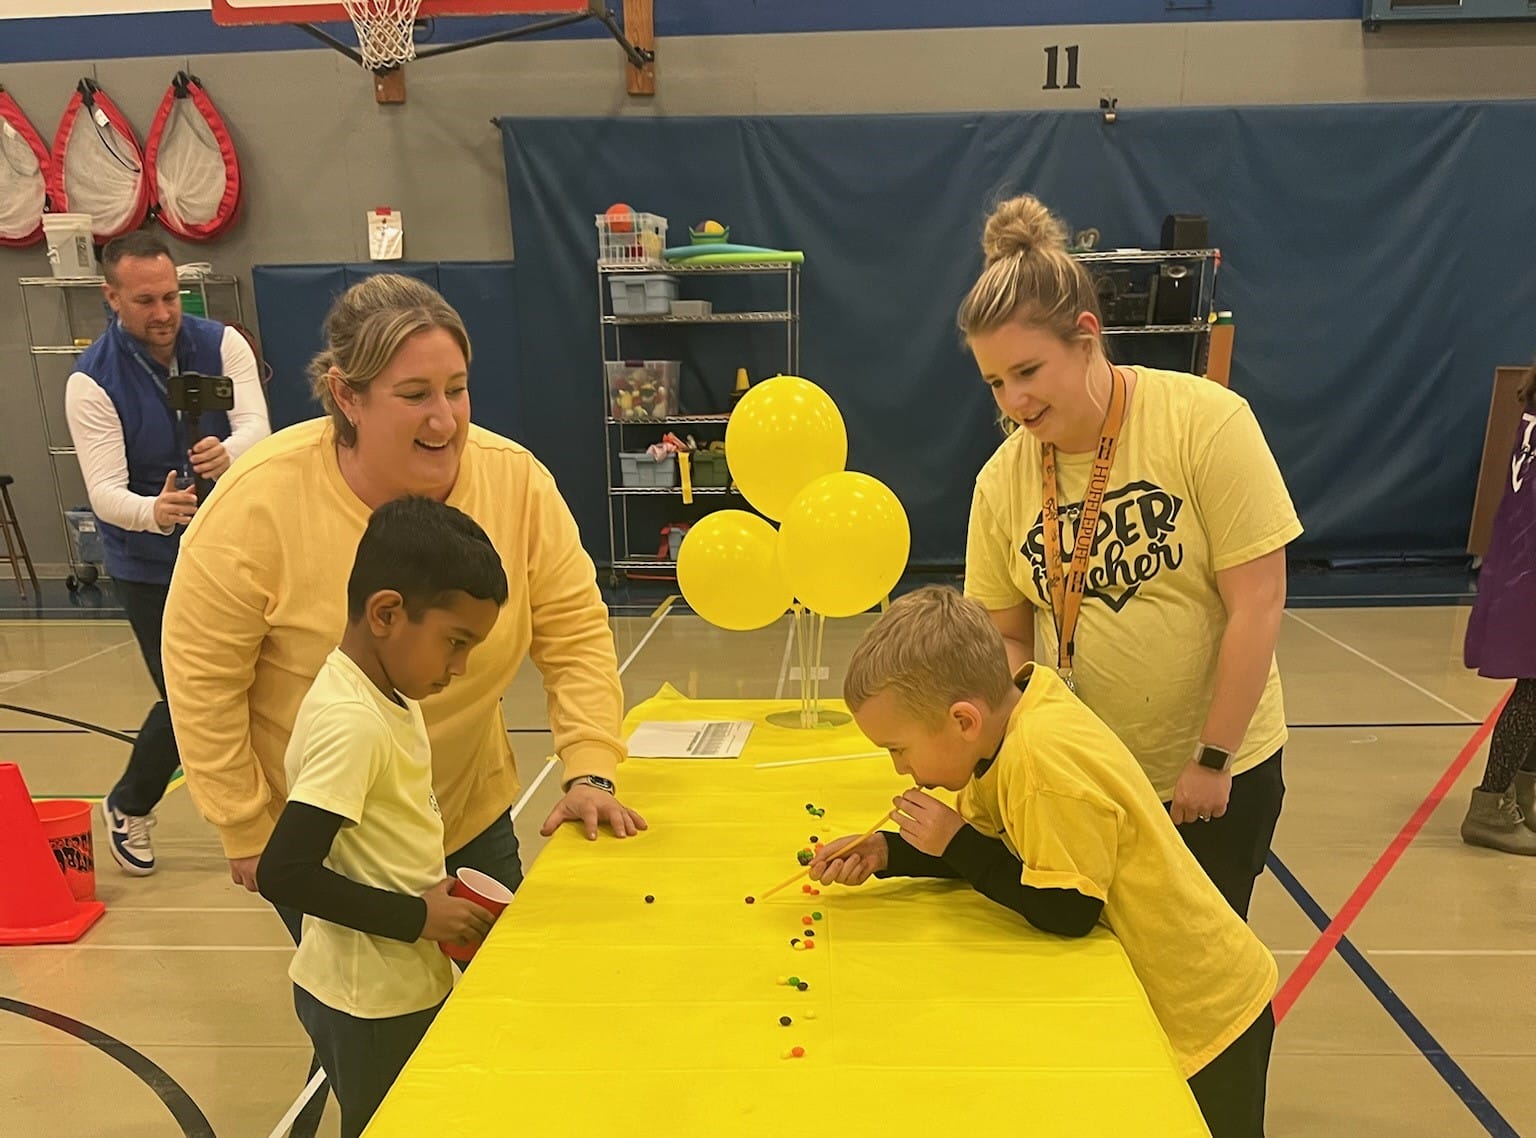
(153, 439)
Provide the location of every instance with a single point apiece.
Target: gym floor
(1420, 1021)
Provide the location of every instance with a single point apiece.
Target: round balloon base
(809, 716)
(817, 719)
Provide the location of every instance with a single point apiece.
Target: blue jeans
(154, 758)
(492, 851)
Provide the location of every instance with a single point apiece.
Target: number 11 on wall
(1052, 66)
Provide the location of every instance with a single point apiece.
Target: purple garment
(1501, 634)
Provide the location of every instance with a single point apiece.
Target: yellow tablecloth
(930, 1010)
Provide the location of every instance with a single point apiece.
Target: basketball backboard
(309, 12)
(386, 30)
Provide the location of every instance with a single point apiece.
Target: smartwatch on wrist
(1213, 758)
(596, 780)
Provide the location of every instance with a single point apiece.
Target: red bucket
(67, 826)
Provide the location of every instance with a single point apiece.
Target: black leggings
(1514, 739)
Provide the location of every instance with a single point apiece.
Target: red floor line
(1298, 980)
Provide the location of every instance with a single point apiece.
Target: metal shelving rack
(1209, 262)
(621, 557)
(62, 290)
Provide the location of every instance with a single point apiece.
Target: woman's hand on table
(840, 862)
(590, 806)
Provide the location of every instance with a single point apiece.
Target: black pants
(155, 758)
(1232, 849)
(492, 851)
(1231, 1087)
(361, 1057)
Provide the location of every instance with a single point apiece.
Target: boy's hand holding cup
(461, 911)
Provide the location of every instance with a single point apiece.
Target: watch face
(1214, 758)
(600, 782)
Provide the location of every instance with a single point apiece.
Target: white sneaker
(128, 839)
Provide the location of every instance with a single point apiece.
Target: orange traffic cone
(36, 906)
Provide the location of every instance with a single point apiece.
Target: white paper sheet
(691, 739)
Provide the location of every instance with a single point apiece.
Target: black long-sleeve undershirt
(992, 870)
(292, 873)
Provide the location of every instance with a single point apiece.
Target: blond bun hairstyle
(1029, 276)
(366, 327)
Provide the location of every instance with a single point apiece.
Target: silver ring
(1205, 817)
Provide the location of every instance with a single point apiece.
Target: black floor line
(193, 1123)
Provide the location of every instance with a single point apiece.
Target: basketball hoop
(385, 31)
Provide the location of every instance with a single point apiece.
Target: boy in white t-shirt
(359, 846)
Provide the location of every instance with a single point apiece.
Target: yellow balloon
(844, 543)
(785, 433)
(728, 571)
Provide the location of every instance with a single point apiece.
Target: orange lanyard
(1067, 594)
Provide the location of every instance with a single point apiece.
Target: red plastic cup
(485, 891)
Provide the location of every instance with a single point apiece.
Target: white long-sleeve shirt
(98, 436)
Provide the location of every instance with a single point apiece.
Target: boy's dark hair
(139, 243)
(424, 550)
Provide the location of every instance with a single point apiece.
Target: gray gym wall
(317, 152)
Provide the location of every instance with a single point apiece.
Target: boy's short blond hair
(932, 649)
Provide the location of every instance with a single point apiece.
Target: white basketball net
(384, 31)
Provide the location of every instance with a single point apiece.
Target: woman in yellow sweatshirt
(259, 595)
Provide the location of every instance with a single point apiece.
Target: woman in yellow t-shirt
(1163, 619)
(259, 597)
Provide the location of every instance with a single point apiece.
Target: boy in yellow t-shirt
(1058, 822)
(359, 845)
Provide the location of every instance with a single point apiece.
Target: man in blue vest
(132, 447)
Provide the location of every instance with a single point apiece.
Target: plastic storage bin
(85, 537)
(643, 294)
(631, 239)
(642, 389)
(641, 470)
(674, 534)
(708, 468)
